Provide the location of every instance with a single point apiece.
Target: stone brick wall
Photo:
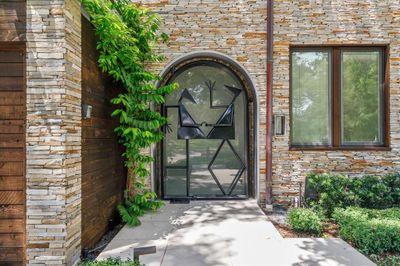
(234, 28)
(332, 22)
(238, 29)
(53, 132)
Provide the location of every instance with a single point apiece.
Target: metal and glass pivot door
(205, 148)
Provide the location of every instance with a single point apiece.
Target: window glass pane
(361, 115)
(310, 98)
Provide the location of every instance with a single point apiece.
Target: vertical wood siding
(12, 153)
(103, 174)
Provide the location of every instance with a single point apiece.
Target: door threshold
(180, 201)
(186, 200)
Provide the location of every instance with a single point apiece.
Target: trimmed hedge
(111, 262)
(385, 260)
(333, 191)
(305, 220)
(371, 231)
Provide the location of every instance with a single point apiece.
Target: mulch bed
(278, 219)
(288, 232)
(331, 230)
(101, 245)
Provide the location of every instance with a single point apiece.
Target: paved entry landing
(223, 233)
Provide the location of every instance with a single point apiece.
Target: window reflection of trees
(310, 97)
(361, 97)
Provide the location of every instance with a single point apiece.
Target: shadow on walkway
(224, 233)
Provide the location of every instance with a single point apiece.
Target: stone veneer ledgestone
(53, 132)
(332, 22)
(234, 28)
(238, 29)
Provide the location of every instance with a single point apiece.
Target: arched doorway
(209, 150)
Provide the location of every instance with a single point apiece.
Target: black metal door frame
(245, 163)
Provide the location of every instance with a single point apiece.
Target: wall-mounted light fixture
(279, 125)
(86, 111)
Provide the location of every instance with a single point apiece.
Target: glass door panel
(205, 148)
(202, 182)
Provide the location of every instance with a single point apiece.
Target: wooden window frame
(335, 98)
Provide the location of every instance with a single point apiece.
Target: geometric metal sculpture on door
(223, 129)
(205, 150)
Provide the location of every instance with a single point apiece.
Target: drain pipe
(268, 179)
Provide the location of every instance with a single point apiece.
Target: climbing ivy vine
(127, 34)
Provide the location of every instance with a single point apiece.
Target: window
(337, 97)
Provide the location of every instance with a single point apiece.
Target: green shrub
(372, 231)
(391, 213)
(385, 260)
(393, 182)
(111, 262)
(340, 191)
(127, 35)
(305, 220)
(333, 191)
(130, 211)
(373, 192)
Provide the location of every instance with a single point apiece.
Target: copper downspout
(270, 28)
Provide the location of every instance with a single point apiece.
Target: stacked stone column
(53, 132)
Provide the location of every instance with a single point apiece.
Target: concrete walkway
(224, 233)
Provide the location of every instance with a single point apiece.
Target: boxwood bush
(111, 262)
(371, 231)
(334, 190)
(385, 260)
(305, 220)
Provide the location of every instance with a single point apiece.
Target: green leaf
(127, 35)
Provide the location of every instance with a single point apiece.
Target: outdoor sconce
(279, 125)
(86, 111)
